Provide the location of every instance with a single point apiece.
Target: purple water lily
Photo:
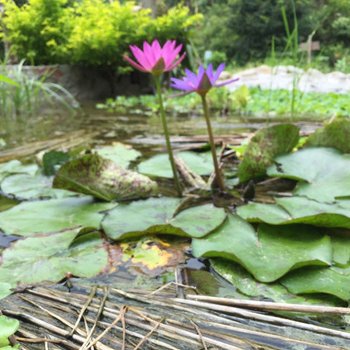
(201, 82)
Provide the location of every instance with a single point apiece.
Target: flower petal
(135, 65)
(176, 63)
(148, 52)
(218, 72)
(181, 85)
(140, 56)
(210, 74)
(226, 82)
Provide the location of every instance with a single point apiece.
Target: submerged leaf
(29, 218)
(264, 146)
(335, 134)
(159, 165)
(103, 179)
(271, 252)
(298, 210)
(156, 216)
(50, 258)
(324, 173)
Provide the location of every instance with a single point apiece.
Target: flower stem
(219, 179)
(166, 134)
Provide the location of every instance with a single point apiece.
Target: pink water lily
(201, 82)
(156, 59)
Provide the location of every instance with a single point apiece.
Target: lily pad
(264, 146)
(334, 281)
(103, 179)
(50, 258)
(119, 153)
(157, 216)
(324, 173)
(341, 250)
(159, 165)
(16, 167)
(5, 290)
(24, 186)
(29, 218)
(300, 210)
(268, 254)
(334, 134)
(8, 326)
(248, 285)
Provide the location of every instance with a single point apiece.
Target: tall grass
(24, 94)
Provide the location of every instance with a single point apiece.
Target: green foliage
(92, 32)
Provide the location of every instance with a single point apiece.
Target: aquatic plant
(156, 60)
(201, 83)
(23, 94)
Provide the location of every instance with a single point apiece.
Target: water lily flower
(155, 59)
(201, 82)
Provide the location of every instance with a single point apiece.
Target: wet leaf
(156, 216)
(8, 326)
(29, 218)
(103, 179)
(264, 146)
(333, 280)
(50, 258)
(7, 203)
(268, 254)
(246, 284)
(159, 165)
(334, 134)
(16, 167)
(341, 250)
(298, 210)
(24, 186)
(324, 173)
(119, 153)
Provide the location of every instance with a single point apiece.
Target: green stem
(219, 179)
(166, 134)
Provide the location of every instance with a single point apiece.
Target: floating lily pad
(159, 165)
(8, 326)
(248, 285)
(341, 250)
(335, 134)
(50, 258)
(271, 252)
(16, 167)
(29, 218)
(264, 146)
(103, 179)
(5, 290)
(300, 210)
(156, 216)
(324, 173)
(24, 186)
(334, 281)
(119, 153)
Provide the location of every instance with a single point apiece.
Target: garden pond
(88, 199)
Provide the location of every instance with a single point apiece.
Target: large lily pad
(246, 284)
(5, 290)
(119, 153)
(50, 258)
(8, 326)
(159, 165)
(29, 218)
(271, 252)
(16, 167)
(334, 134)
(24, 186)
(324, 173)
(264, 146)
(334, 281)
(103, 179)
(157, 216)
(341, 250)
(295, 210)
